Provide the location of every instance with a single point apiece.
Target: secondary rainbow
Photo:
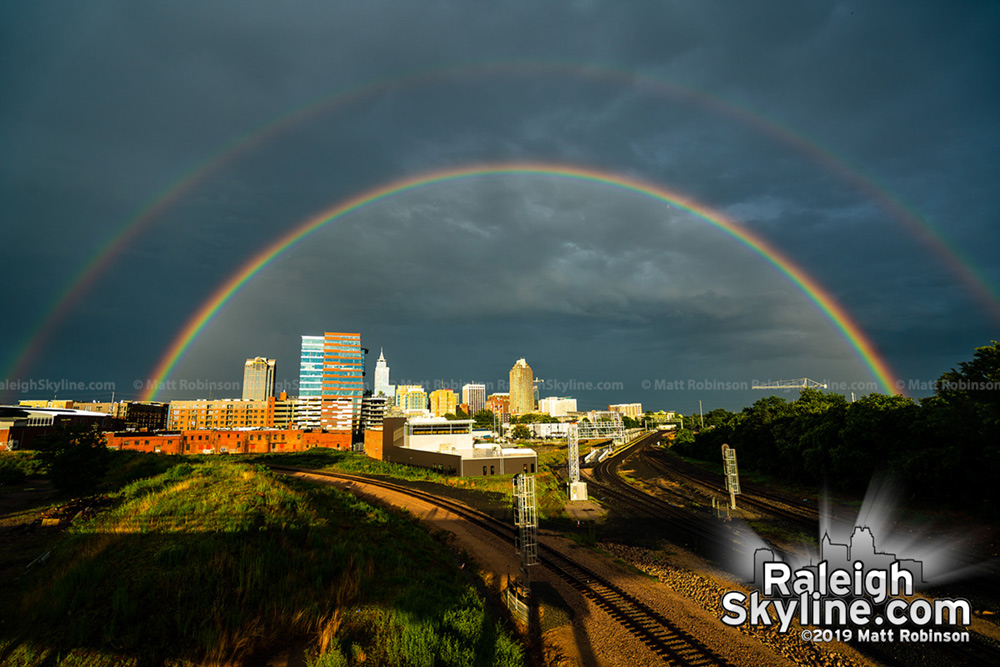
(24, 354)
(821, 297)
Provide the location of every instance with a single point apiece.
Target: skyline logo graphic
(853, 592)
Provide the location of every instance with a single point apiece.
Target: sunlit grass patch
(210, 563)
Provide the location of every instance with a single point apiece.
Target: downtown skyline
(148, 161)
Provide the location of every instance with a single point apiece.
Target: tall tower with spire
(382, 386)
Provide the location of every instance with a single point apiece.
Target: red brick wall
(245, 442)
(373, 444)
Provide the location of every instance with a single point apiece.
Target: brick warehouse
(212, 441)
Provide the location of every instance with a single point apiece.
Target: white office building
(474, 395)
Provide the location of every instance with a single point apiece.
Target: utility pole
(702, 414)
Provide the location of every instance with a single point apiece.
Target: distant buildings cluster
(332, 409)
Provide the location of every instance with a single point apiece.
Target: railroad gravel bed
(707, 592)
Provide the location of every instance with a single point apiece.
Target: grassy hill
(223, 562)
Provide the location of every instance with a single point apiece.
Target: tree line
(943, 448)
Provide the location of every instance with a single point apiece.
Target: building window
(484, 471)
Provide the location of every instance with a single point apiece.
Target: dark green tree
(77, 458)
(683, 440)
(520, 432)
(484, 419)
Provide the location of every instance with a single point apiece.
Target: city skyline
(693, 197)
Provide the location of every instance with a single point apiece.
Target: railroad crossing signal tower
(732, 475)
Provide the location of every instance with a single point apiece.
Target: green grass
(212, 562)
(19, 466)
(778, 533)
(491, 494)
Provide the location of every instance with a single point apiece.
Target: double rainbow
(821, 297)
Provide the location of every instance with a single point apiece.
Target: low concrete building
(21, 427)
(557, 406)
(447, 446)
(134, 415)
(633, 410)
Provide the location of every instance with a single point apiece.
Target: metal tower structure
(577, 489)
(517, 595)
(526, 521)
(800, 383)
(573, 453)
(603, 429)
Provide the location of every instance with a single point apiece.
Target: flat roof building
(447, 446)
(443, 402)
(556, 406)
(475, 396)
(633, 410)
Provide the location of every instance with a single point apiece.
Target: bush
(77, 458)
(19, 466)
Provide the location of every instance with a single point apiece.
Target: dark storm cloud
(107, 105)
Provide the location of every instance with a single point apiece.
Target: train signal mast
(732, 475)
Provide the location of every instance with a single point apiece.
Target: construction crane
(801, 383)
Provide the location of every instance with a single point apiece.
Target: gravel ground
(705, 589)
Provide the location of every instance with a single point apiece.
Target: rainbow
(34, 341)
(822, 298)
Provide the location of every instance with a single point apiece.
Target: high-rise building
(311, 367)
(475, 396)
(343, 381)
(522, 388)
(310, 382)
(382, 386)
(443, 401)
(258, 379)
(411, 398)
(331, 381)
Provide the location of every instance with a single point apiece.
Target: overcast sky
(799, 120)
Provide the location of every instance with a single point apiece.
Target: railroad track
(980, 651)
(689, 529)
(753, 496)
(662, 636)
